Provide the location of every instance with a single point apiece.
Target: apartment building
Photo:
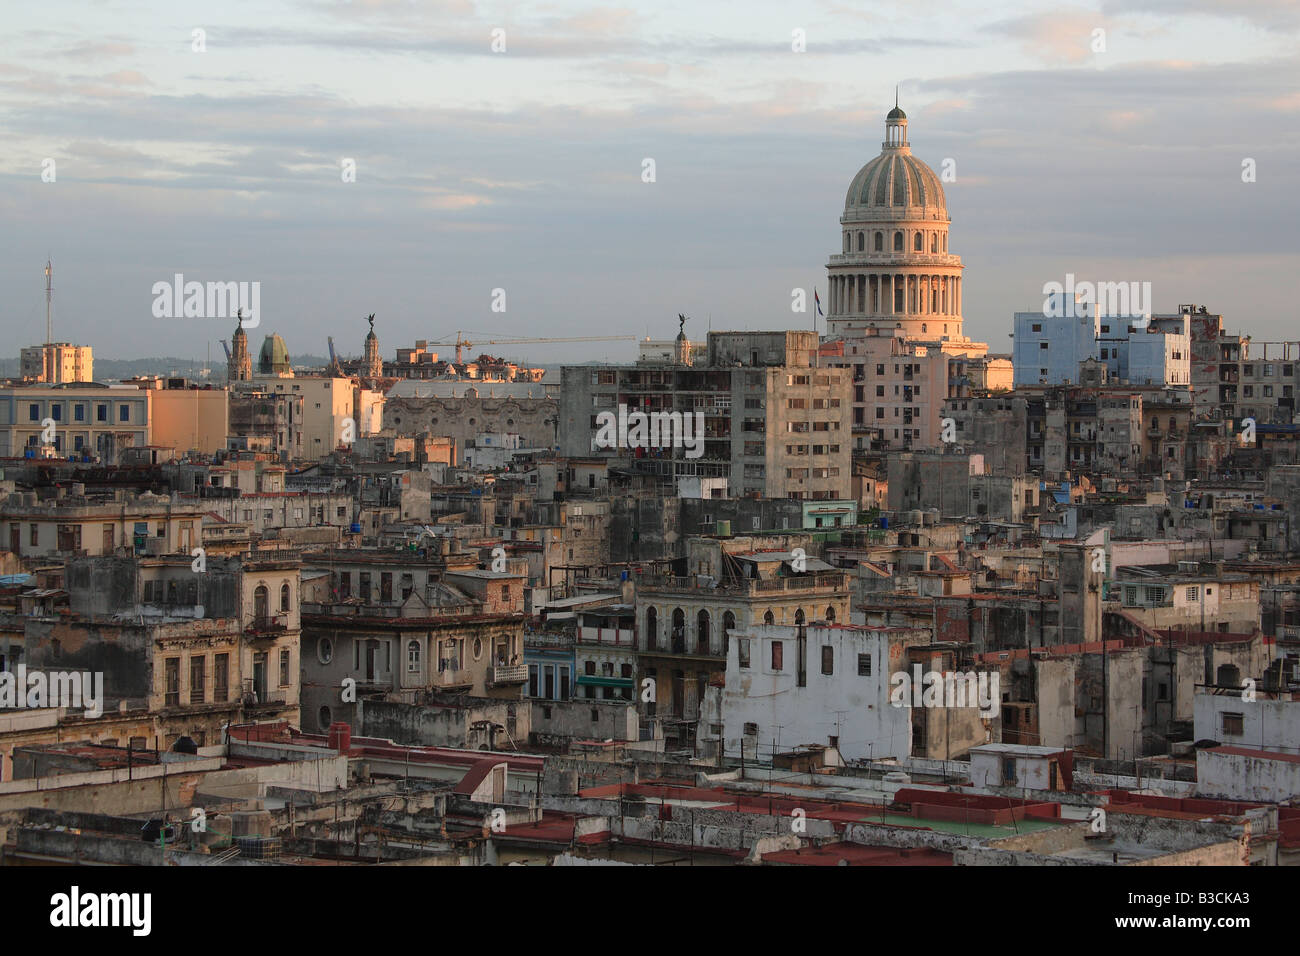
(264, 420)
(1234, 377)
(55, 363)
(182, 652)
(773, 423)
(77, 418)
(683, 628)
(334, 411)
(74, 523)
(354, 652)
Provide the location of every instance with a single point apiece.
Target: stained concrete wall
(1055, 682)
(462, 726)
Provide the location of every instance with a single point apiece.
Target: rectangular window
(742, 651)
(34, 412)
(284, 667)
(79, 413)
(220, 678)
(124, 413)
(197, 682)
(172, 682)
(778, 655)
(1232, 724)
(828, 660)
(864, 665)
(101, 413)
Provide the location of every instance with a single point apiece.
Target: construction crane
(461, 343)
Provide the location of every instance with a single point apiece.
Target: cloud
(1060, 36)
(1282, 16)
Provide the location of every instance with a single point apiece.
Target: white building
(824, 684)
(1266, 722)
(1020, 765)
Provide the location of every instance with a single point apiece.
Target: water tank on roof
(724, 528)
(356, 527)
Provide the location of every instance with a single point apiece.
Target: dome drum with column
(894, 274)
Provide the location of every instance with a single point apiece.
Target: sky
(499, 154)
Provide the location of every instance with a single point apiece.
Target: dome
(274, 357)
(892, 183)
(895, 185)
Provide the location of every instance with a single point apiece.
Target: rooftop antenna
(49, 291)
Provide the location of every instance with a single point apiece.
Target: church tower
(240, 366)
(372, 367)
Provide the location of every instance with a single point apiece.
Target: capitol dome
(894, 274)
(895, 185)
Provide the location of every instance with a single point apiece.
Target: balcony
(502, 674)
(266, 627)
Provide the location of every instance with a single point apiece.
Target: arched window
(922, 326)
(898, 242)
(880, 242)
(261, 603)
(862, 241)
(945, 243)
(284, 597)
(651, 629)
(769, 618)
(728, 624)
(413, 657)
(703, 626)
(679, 631)
(799, 618)
(934, 242)
(916, 243)
(848, 242)
(830, 614)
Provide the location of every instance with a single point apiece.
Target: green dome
(274, 357)
(895, 185)
(896, 113)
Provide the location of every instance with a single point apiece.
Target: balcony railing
(826, 579)
(509, 674)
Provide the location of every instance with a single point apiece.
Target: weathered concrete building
(773, 423)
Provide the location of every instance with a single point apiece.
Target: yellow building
(57, 362)
(189, 418)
